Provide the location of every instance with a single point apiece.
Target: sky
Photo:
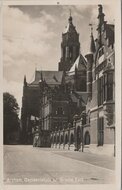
(32, 38)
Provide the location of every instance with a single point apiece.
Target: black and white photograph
(60, 94)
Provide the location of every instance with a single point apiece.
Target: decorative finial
(91, 27)
(70, 12)
(100, 7)
(92, 44)
(25, 80)
(70, 17)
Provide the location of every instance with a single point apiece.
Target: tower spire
(91, 27)
(92, 43)
(25, 82)
(70, 17)
(70, 45)
(70, 12)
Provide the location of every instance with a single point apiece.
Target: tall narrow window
(101, 51)
(110, 86)
(105, 86)
(71, 53)
(100, 91)
(100, 131)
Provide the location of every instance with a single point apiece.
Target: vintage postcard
(61, 70)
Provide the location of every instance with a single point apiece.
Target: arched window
(66, 139)
(78, 135)
(54, 139)
(51, 139)
(61, 139)
(101, 51)
(72, 138)
(57, 139)
(71, 53)
(87, 138)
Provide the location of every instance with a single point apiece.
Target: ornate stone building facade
(54, 97)
(74, 106)
(100, 108)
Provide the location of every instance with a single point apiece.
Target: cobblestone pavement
(28, 165)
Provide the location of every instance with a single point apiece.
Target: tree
(11, 119)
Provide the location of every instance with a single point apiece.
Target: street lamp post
(82, 127)
(75, 131)
(75, 138)
(83, 124)
(114, 142)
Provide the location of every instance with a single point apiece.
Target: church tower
(70, 46)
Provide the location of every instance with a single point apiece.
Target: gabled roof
(79, 64)
(50, 77)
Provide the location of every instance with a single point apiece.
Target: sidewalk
(106, 149)
(94, 159)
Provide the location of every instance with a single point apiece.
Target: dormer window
(101, 52)
(101, 55)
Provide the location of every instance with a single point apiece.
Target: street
(24, 164)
